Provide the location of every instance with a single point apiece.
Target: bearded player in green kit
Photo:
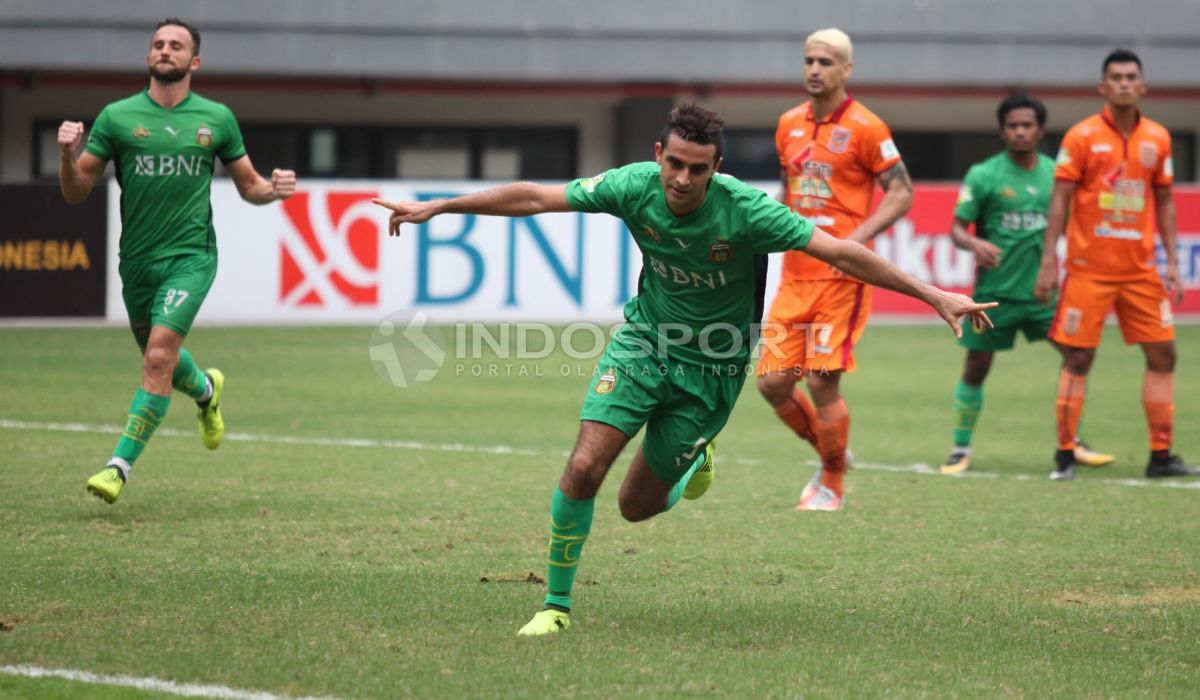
(678, 363)
(1007, 196)
(163, 142)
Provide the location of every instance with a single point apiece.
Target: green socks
(188, 377)
(570, 523)
(677, 490)
(145, 413)
(968, 403)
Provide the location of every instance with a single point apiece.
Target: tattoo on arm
(896, 173)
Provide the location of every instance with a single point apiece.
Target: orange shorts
(1142, 306)
(814, 326)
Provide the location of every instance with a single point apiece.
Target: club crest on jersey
(652, 234)
(839, 140)
(141, 132)
(720, 252)
(1148, 155)
(204, 136)
(607, 382)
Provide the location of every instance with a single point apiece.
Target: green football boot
(212, 427)
(107, 484)
(702, 478)
(546, 622)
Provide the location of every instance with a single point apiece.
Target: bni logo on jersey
(330, 254)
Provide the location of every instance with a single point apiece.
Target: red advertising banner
(920, 244)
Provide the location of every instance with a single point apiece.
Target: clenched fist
(283, 182)
(70, 134)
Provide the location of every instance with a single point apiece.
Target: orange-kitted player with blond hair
(832, 151)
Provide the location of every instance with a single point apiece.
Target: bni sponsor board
(325, 256)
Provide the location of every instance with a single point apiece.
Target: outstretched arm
(897, 200)
(256, 189)
(76, 176)
(858, 261)
(516, 199)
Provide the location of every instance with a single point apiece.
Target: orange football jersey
(1110, 231)
(831, 168)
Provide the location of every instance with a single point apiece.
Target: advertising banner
(52, 256)
(325, 256)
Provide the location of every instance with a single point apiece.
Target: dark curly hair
(696, 124)
(1017, 101)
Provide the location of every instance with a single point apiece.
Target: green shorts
(682, 405)
(166, 292)
(1029, 317)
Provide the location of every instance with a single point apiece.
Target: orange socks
(833, 432)
(1068, 406)
(798, 414)
(1158, 398)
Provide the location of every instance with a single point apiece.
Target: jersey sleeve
(605, 193)
(774, 227)
(781, 133)
(233, 147)
(1071, 157)
(1164, 175)
(100, 141)
(971, 196)
(879, 151)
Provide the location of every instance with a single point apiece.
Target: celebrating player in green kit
(163, 142)
(677, 365)
(1007, 197)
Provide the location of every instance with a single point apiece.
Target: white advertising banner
(324, 256)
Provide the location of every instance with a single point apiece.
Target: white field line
(421, 446)
(189, 690)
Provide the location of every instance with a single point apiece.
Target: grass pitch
(354, 540)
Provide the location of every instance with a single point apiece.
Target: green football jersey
(702, 274)
(164, 165)
(1008, 205)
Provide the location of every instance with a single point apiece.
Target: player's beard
(167, 73)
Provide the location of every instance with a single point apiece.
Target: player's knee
(775, 388)
(1162, 358)
(583, 476)
(635, 510)
(1078, 360)
(158, 361)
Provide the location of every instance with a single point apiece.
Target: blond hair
(835, 39)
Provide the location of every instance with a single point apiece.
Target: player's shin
(833, 434)
(189, 378)
(968, 403)
(145, 413)
(570, 523)
(1158, 400)
(798, 414)
(1068, 404)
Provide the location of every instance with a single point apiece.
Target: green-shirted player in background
(677, 365)
(1007, 196)
(163, 142)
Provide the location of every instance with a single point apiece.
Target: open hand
(407, 213)
(952, 307)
